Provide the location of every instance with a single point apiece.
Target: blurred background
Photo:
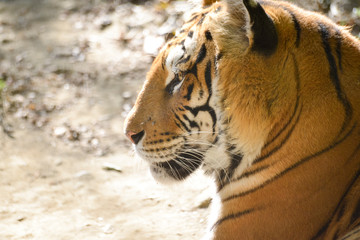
(69, 73)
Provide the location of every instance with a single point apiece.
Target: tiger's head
(184, 116)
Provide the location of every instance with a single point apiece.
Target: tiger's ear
(208, 2)
(264, 35)
(245, 25)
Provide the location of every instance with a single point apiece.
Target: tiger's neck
(302, 178)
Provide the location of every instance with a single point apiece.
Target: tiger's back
(269, 103)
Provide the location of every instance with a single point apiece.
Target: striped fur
(265, 97)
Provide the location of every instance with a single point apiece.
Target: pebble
(104, 23)
(60, 131)
(126, 95)
(108, 229)
(111, 167)
(84, 175)
(94, 142)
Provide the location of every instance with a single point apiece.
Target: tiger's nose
(135, 137)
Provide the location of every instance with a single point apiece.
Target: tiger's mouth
(180, 167)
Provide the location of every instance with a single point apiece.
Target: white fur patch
(191, 43)
(177, 53)
(174, 55)
(216, 159)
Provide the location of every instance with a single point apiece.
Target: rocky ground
(69, 73)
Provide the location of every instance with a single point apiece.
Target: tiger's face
(174, 124)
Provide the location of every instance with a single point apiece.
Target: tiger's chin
(178, 168)
(173, 171)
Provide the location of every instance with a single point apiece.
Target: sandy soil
(72, 70)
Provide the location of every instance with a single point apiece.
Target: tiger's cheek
(206, 124)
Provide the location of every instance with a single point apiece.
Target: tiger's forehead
(181, 48)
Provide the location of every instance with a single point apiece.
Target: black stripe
(201, 93)
(183, 60)
(251, 173)
(341, 211)
(177, 124)
(181, 122)
(190, 34)
(235, 162)
(326, 225)
(294, 19)
(355, 216)
(181, 108)
(278, 147)
(194, 71)
(189, 91)
(215, 140)
(232, 216)
(338, 47)
(218, 56)
(208, 35)
(292, 167)
(336, 235)
(221, 177)
(201, 54)
(172, 84)
(163, 61)
(208, 78)
(325, 36)
(192, 124)
(193, 18)
(297, 27)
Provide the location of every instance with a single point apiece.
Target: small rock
(19, 58)
(79, 25)
(60, 131)
(58, 162)
(104, 23)
(74, 135)
(63, 53)
(126, 95)
(76, 51)
(111, 167)
(20, 219)
(94, 142)
(108, 229)
(84, 175)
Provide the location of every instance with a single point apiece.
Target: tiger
(264, 97)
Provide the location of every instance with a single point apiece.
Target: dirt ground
(70, 72)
